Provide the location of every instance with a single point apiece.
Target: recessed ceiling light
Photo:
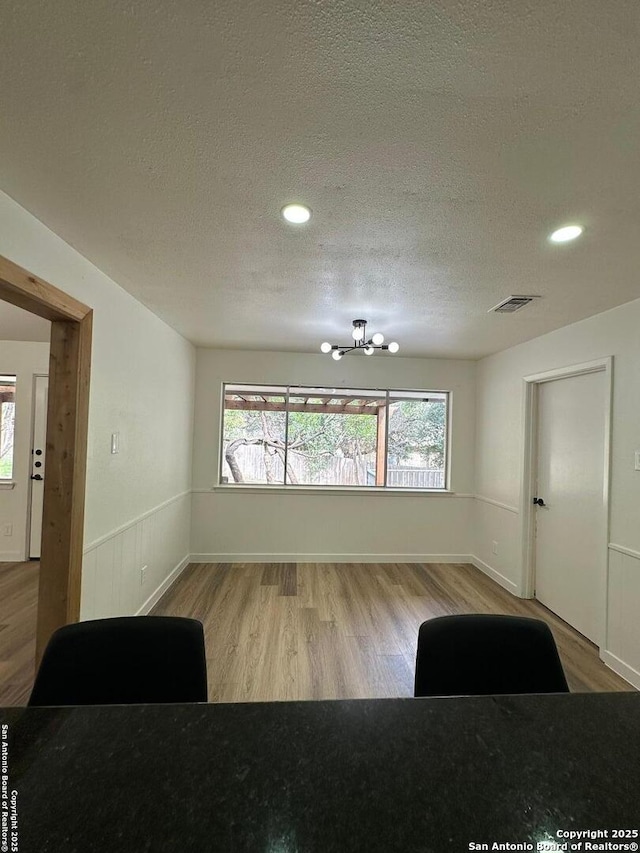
(297, 214)
(568, 232)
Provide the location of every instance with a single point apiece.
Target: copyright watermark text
(8, 800)
(584, 840)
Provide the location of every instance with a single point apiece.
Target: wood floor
(305, 631)
(18, 605)
(343, 631)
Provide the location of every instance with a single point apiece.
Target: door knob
(36, 476)
(539, 502)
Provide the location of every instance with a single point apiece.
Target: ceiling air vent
(513, 303)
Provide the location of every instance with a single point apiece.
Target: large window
(292, 435)
(7, 425)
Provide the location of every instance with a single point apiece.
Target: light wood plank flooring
(18, 606)
(306, 630)
(278, 631)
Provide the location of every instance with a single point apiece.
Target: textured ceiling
(437, 143)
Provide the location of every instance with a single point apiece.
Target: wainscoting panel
(496, 547)
(113, 581)
(107, 586)
(622, 648)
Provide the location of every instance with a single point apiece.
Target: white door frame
(529, 473)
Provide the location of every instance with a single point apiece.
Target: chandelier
(360, 342)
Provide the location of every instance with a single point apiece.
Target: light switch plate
(115, 442)
(637, 460)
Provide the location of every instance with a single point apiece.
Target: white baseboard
(495, 575)
(12, 557)
(621, 668)
(171, 578)
(330, 558)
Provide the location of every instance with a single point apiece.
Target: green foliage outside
(321, 436)
(418, 428)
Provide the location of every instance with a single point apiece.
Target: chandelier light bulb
(358, 333)
(394, 347)
(325, 347)
(337, 354)
(369, 350)
(378, 339)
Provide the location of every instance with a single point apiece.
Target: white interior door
(38, 453)
(571, 525)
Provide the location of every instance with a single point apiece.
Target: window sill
(7, 484)
(330, 490)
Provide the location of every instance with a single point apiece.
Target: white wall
(141, 386)
(229, 525)
(24, 360)
(499, 452)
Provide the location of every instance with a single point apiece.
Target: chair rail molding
(499, 504)
(622, 549)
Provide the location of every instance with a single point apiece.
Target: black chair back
(127, 660)
(478, 654)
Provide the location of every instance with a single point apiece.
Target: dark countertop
(368, 775)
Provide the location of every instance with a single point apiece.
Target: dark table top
(367, 775)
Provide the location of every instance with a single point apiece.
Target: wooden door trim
(22, 288)
(528, 474)
(67, 427)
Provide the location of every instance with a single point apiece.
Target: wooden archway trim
(67, 426)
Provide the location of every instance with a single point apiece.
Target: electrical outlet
(494, 547)
(8, 530)
(143, 575)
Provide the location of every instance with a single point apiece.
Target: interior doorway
(567, 487)
(568, 516)
(66, 443)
